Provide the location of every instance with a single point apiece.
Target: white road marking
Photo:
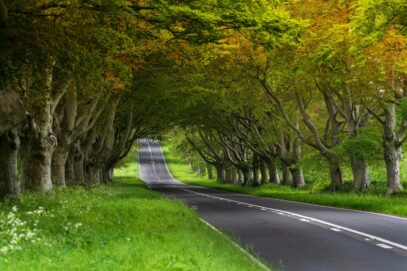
(384, 246)
(387, 244)
(304, 220)
(322, 222)
(335, 229)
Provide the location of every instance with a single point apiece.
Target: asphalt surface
(288, 235)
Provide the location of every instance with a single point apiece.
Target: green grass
(119, 226)
(373, 201)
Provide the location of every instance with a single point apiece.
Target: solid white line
(292, 201)
(366, 235)
(312, 204)
(259, 263)
(332, 225)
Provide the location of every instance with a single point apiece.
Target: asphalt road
(288, 235)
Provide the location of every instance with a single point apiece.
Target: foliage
(108, 227)
(373, 200)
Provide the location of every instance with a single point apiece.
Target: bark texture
(9, 182)
(392, 150)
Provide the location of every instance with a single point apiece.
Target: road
(288, 235)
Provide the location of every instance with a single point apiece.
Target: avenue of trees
(252, 85)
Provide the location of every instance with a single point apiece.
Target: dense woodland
(253, 87)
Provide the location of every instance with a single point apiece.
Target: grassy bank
(120, 226)
(375, 202)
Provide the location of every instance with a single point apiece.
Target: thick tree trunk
(39, 140)
(336, 175)
(360, 173)
(106, 175)
(240, 176)
(69, 170)
(273, 171)
(79, 163)
(63, 128)
(392, 150)
(9, 182)
(111, 174)
(37, 159)
(360, 170)
(263, 170)
(220, 173)
(247, 176)
(256, 179)
(298, 177)
(235, 176)
(287, 176)
(209, 169)
(229, 174)
(59, 159)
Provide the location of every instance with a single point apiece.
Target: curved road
(288, 235)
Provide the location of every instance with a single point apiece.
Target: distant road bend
(288, 235)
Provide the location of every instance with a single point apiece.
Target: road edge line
(320, 221)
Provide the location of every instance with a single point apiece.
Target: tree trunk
(298, 177)
(58, 166)
(336, 175)
(287, 176)
(63, 128)
(296, 170)
(256, 170)
(235, 176)
(110, 175)
(256, 180)
(360, 173)
(220, 173)
(273, 171)
(79, 163)
(263, 170)
(69, 169)
(37, 158)
(199, 171)
(392, 150)
(229, 174)
(247, 176)
(9, 182)
(209, 169)
(39, 140)
(240, 176)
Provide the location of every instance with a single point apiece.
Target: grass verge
(119, 226)
(395, 205)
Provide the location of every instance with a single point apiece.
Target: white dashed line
(384, 242)
(384, 246)
(335, 229)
